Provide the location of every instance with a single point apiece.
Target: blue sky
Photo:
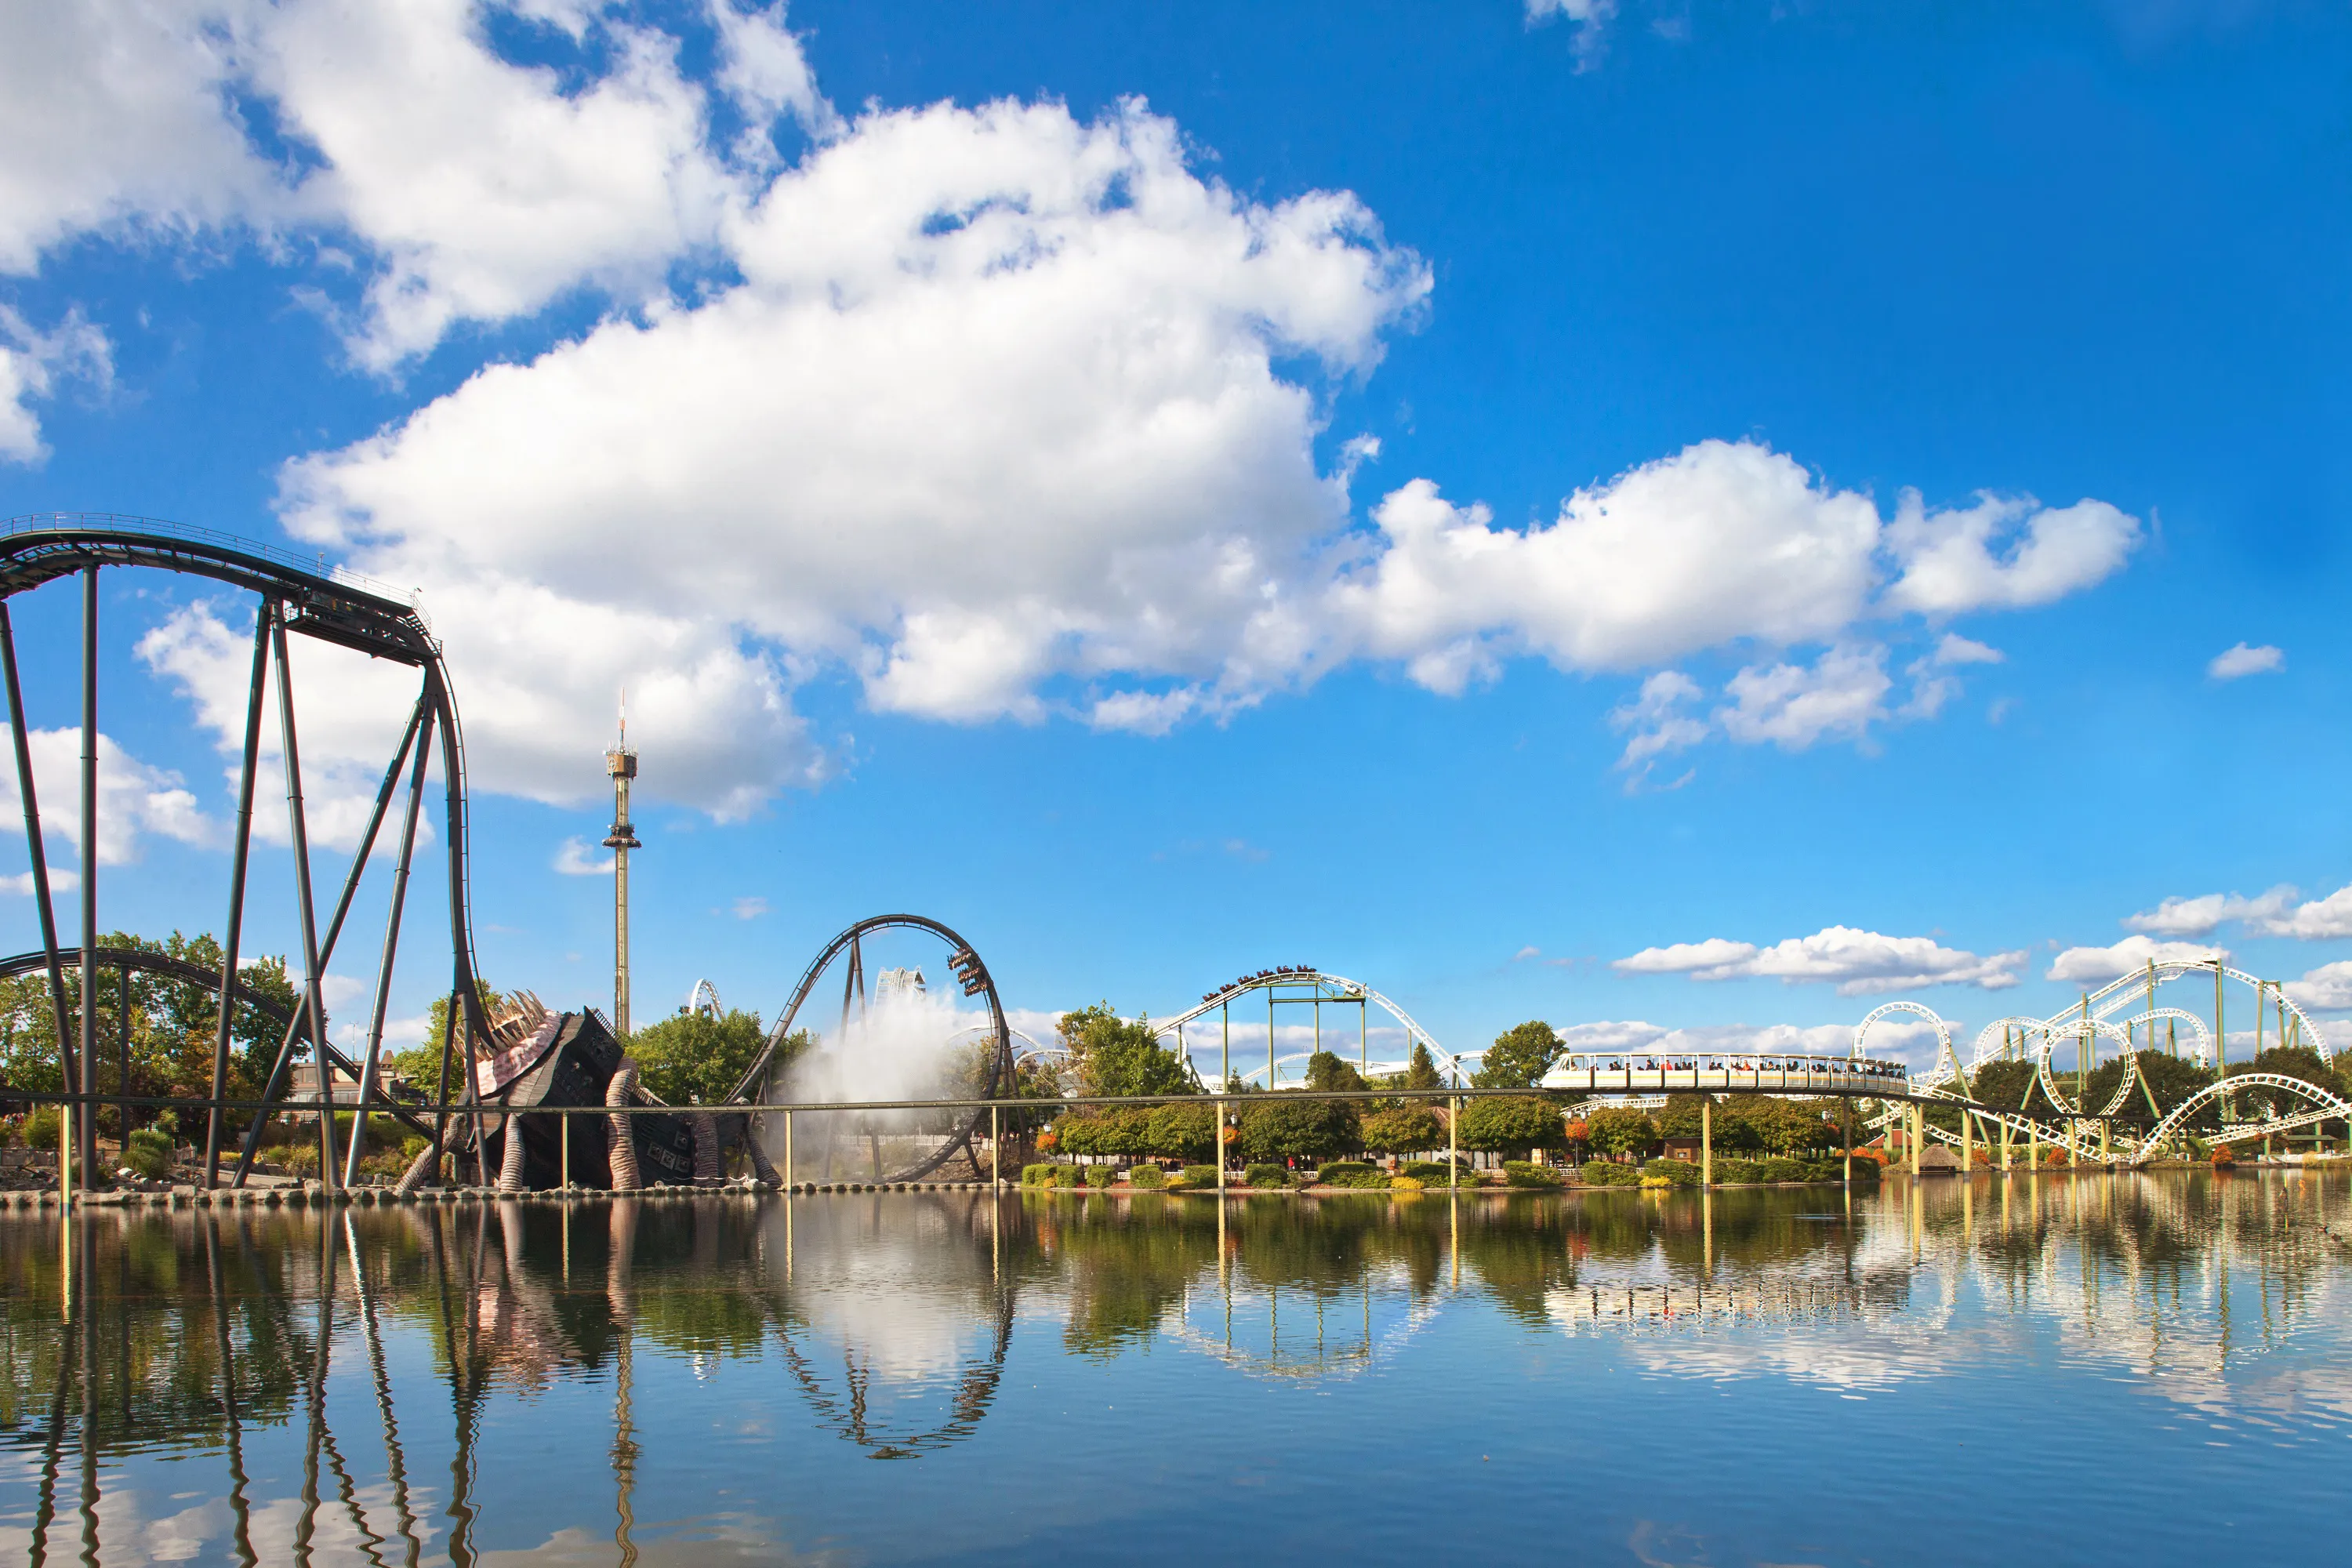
(1486, 499)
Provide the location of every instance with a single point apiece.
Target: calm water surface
(2128, 1369)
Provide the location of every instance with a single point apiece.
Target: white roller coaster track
(2119, 993)
(2326, 1107)
(1347, 991)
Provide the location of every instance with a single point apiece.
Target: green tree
(1519, 1057)
(1187, 1132)
(1406, 1130)
(1286, 1126)
(1328, 1074)
(1621, 1130)
(420, 1063)
(692, 1057)
(1114, 1055)
(1511, 1124)
(1421, 1069)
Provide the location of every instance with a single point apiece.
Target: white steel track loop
(695, 1003)
(2080, 1028)
(2202, 1046)
(2329, 1107)
(1944, 1056)
(2120, 993)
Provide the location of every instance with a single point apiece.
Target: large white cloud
(476, 188)
(2326, 989)
(2096, 965)
(1004, 413)
(995, 405)
(1859, 963)
(136, 800)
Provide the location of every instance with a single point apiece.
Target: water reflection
(321, 1384)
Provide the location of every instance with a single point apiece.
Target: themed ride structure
(291, 598)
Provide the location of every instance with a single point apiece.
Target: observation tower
(621, 764)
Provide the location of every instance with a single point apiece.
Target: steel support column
(238, 857)
(313, 999)
(36, 852)
(85, 1080)
(391, 948)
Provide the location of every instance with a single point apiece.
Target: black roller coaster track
(297, 597)
(755, 1085)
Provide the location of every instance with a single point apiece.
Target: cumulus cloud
(2097, 966)
(2326, 989)
(1859, 963)
(32, 363)
(2278, 912)
(1792, 706)
(2003, 552)
(1006, 415)
(2200, 915)
(476, 188)
(573, 857)
(2317, 919)
(2236, 662)
(994, 408)
(135, 801)
(349, 710)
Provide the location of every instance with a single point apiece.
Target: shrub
(1740, 1172)
(1779, 1168)
(1041, 1175)
(1200, 1176)
(1099, 1175)
(1605, 1174)
(41, 1127)
(1265, 1176)
(2223, 1159)
(301, 1160)
(1147, 1178)
(1522, 1173)
(1350, 1174)
(149, 1153)
(1404, 1185)
(1670, 1173)
(1431, 1172)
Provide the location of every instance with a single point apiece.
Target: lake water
(2107, 1369)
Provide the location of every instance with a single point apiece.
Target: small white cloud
(1530, 950)
(2326, 989)
(1660, 727)
(1859, 963)
(574, 858)
(1957, 649)
(2200, 915)
(2319, 919)
(60, 881)
(1590, 18)
(2235, 663)
(32, 363)
(1793, 707)
(2097, 966)
(748, 908)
